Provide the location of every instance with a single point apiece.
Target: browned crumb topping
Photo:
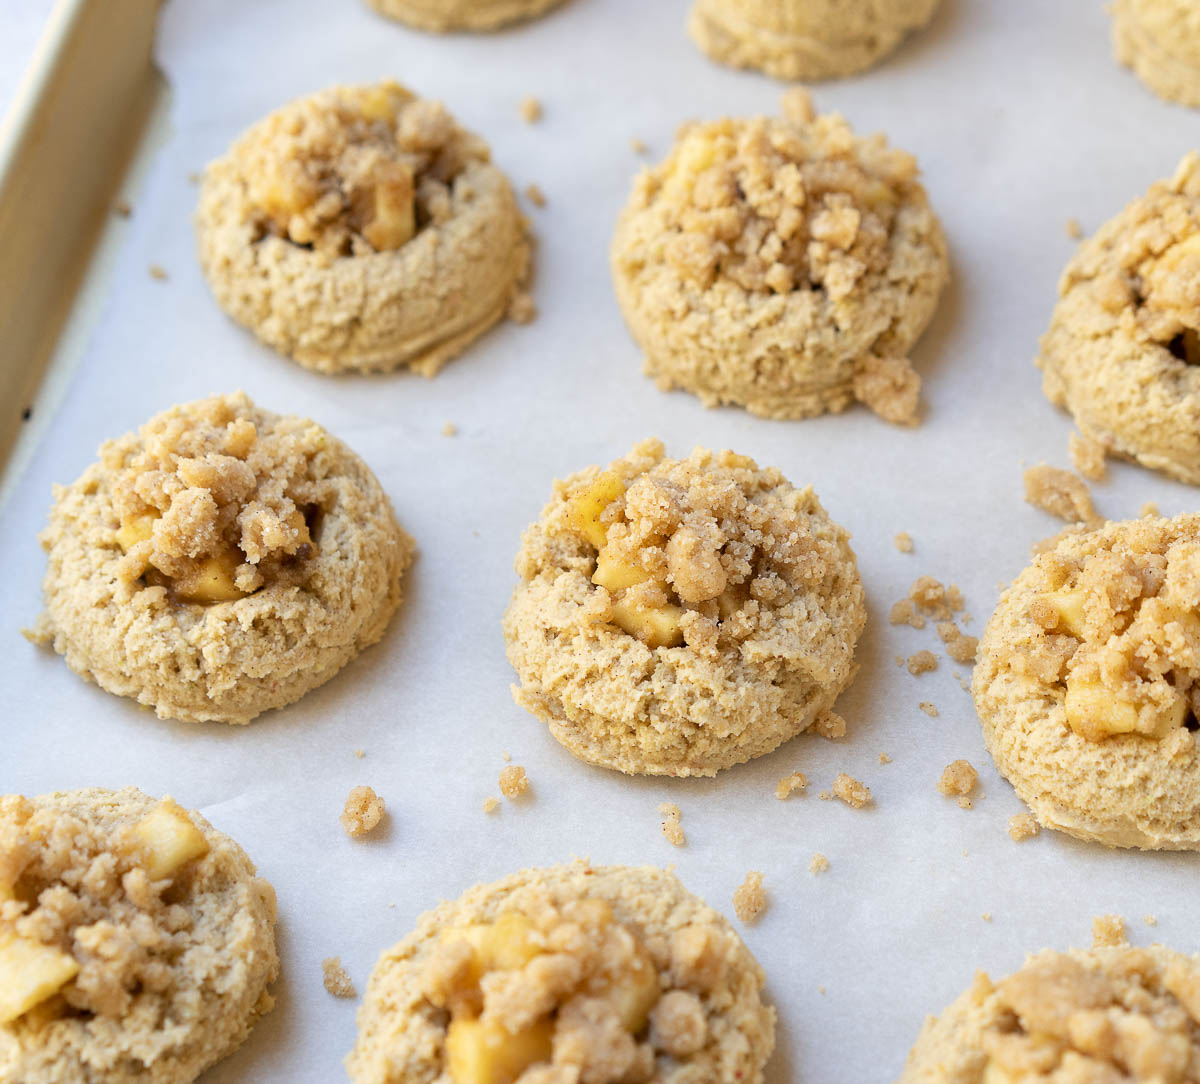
(1060, 493)
(903, 542)
(1074, 229)
(158, 272)
(491, 804)
(1023, 826)
(364, 810)
(672, 830)
(211, 508)
(830, 725)
(958, 781)
(818, 864)
(522, 309)
(354, 170)
(851, 791)
(513, 781)
(904, 612)
(928, 708)
(337, 978)
(535, 195)
(531, 110)
(1108, 931)
(921, 663)
(1045, 545)
(789, 784)
(884, 758)
(750, 898)
(959, 646)
(449, 430)
(1087, 456)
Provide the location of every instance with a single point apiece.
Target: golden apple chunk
(168, 840)
(30, 972)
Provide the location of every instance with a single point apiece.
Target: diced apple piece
(169, 840)
(1093, 712)
(657, 627)
(1068, 604)
(30, 972)
(135, 529)
(635, 992)
(394, 220)
(615, 574)
(482, 1052)
(211, 580)
(586, 507)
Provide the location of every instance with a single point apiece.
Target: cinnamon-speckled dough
(707, 1021)
(1160, 41)
(761, 584)
(362, 228)
(444, 15)
(1123, 350)
(805, 39)
(313, 559)
(173, 973)
(1088, 681)
(787, 266)
(1116, 1015)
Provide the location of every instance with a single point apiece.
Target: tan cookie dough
(136, 941)
(444, 15)
(220, 561)
(787, 266)
(605, 975)
(679, 616)
(805, 40)
(1106, 1016)
(362, 228)
(1160, 41)
(1088, 684)
(1123, 350)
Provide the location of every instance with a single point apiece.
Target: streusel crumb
(449, 430)
(1108, 931)
(531, 110)
(789, 784)
(905, 612)
(1150, 920)
(337, 979)
(491, 803)
(1060, 493)
(851, 791)
(921, 663)
(364, 810)
(750, 898)
(928, 708)
(958, 781)
(522, 309)
(830, 725)
(672, 830)
(1087, 456)
(1074, 229)
(903, 542)
(1023, 826)
(884, 758)
(158, 272)
(513, 782)
(959, 646)
(535, 195)
(819, 863)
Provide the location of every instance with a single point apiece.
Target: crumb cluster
(1108, 931)
(672, 830)
(789, 784)
(337, 978)
(750, 898)
(513, 781)
(929, 600)
(958, 781)
(1088, 457)
(1062, 494)
(1023, 826)
(363, 811)
(818, 864)
(849, 790)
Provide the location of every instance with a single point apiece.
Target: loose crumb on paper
(158, 272)
(1149, 509)
(491, 803)
(535, 195)
(959, 646)
(750, 898)
(531, 110)
(363, 811)
(986, 916)
(903, 542)
(1087, 456)
(928, 708)
(513, 781)
(1074, 229)
(360, 753)
(337, 979)
(904, 612)
(830, 725)
(851, 791)
(884, 758)
(506, 756)
(639, 147)
(1023, 826)
(958, 781)
(921, 663)
(1061, 494)
(522, 310)
(789, 784)
(1108, 931)
(671, 828)
(819, 863)
(449, 430)
(1150, 920)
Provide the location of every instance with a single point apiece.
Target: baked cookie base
(443, 16)
(1170, 76)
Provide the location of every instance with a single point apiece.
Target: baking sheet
(1020, 120)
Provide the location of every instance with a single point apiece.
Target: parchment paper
(1020, 119)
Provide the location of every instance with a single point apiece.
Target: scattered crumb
(935, 597)
(364, 810)
(1087, 455)
(122, 207)
(522, 310)
(360, 753)
(1074, 229)
(535, 195)
(449, 430)
(819, 863)
(513, 781)
(958, 781)
(904, 612)
(638, 146)
(851, 791)
(1150, 920)
(158, 272)
(671, 827)
(491, 803)
(1108, 931)
(337, 980)
(750, 898)
(928, 708)
(903, 542)
(884, 758)
(790, 783)
(1023, 826)
(921, 663)
(194, 177)
(1150, 508)
(506, 756)
(899, 660)
(531, 110)
(1060, 493)
(821, 990)
(986, 916)
(825, 796)
(959, 646)
(830, 725)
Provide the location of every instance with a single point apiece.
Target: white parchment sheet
(1020, 119)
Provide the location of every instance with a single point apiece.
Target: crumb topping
(851, 791)
(789, 784)
(922, 662)
(818, 864)
(1108, 931)
(672, 830)
(513, 781)
(364, 810)
(750, 898)
(1061, 494)
(1023, 826)
(1088, 457)
(958, 781)
(337, 978)
(903, 542)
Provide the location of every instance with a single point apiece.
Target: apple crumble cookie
(220, 561)
(1160, 41)
(805, 40)
(447, 15)
(362, 228)
(1109, 1014)
(570, 973)
(679, 616)
(1123, 350)
(1088, 684)
(787, 266)
(136, 941)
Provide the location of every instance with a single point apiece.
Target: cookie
(1088, 682)
(787, 266)
(679, 616)
(1108, 1014)
(444, 15)
(805, 40)
(1160, 41)
(220, 561)
(361, 228)
(136, 941)
(1123, 350)
(601, 974)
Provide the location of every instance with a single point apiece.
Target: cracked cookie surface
(1088, 683)
(220, 561)
(447, 15)
(1160, 41)
(679, 616)
(784, 265)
